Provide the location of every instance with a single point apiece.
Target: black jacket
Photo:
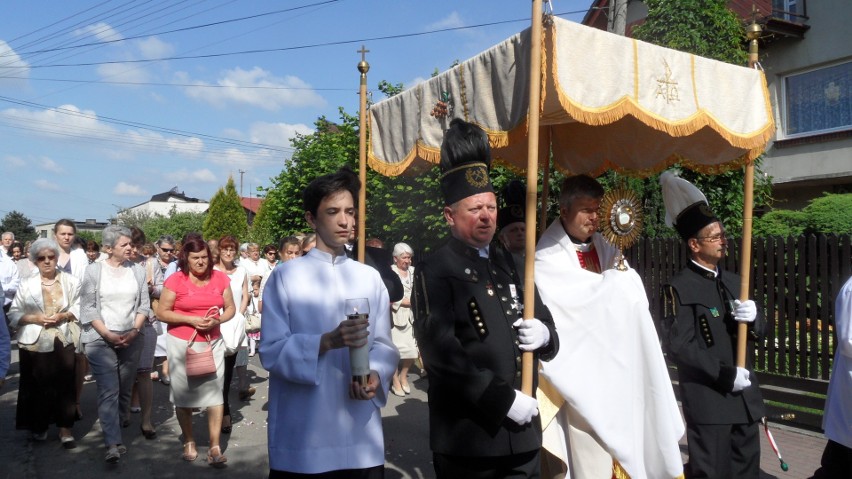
(702, 343)
(464, 312)
(381, 260)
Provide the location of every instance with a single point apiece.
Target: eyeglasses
(48, 258)
(714, 238)
(167, 250)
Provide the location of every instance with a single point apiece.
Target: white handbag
(233, 333)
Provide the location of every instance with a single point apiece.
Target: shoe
(165, 379)
(88, 378)
(397, 392)
(122, 449)
(245, 395)
(112, 455)
(227, 429)
(189, 452)
(152, 434)
(40, 436)
(216, 460)
(406, 389)
(135, 409)
(68, 442)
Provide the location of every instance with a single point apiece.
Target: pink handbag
(199, 363)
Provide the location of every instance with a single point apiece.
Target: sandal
(189, 452)
(218, 461)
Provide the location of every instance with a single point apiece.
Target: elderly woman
(45, 311)
(402, 333)
(114, 307)
(190, 305)
(234, 331)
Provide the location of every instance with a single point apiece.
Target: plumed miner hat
(465, 161)
(513, 197)
(687, 210)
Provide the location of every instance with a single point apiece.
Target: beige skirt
(195, 392)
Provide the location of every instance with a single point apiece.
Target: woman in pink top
(185, 304)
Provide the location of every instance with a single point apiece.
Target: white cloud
(123, 72)
(101, 31)
(47, 185)
(13, 65)
(49, 165)
(84, 125)
(452, 20)
(195, 176)
(153, 47)
(14, 161)
(126, 189)
(276, 134)
(296, 92)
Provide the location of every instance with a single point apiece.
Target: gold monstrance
(621, 220)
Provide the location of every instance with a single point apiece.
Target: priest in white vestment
(613, 412)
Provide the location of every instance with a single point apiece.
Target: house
(806, 54)
(251, 207)
(45, 230)
(164, 203)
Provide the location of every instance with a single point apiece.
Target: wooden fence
(795, 280)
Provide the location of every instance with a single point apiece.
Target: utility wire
(297, 47)
(185, 29)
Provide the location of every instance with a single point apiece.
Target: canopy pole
(532, 183)
(363, 67)
(753, 32)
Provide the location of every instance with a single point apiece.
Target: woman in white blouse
(114, 307)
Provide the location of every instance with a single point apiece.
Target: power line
(297, 47)
(240, 87)
(194, 27)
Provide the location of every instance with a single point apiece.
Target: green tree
(226, 215)
(20, 225)
(176, 224)
(704, 27)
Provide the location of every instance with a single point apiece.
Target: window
(818, 101)
(790, 10)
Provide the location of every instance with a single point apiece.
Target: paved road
(406, 441)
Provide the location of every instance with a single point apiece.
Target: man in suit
(467, 304)
(721, 402)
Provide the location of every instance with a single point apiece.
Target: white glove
(532, 334)
(741, 381)
(745, 311)
(523, 409)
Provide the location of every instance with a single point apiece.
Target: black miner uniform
(702, 342)
(464, 311)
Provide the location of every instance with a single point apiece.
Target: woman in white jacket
(45, 311)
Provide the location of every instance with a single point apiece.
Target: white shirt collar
(714, 271)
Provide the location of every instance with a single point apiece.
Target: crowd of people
(339, 336)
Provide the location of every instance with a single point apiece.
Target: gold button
(503, 298)
(482, 331)
(499, 286)
(472, 304)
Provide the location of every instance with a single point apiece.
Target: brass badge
(476, 177)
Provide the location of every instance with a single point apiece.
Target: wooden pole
(753, 33)
(363, 67)
(532, 184)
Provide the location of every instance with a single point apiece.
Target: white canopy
(608, 102)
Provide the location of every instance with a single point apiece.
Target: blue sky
(98, 112)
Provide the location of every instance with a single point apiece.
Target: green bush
(831, 213)
(780, 223)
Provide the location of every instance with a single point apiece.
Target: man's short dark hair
(578, 186)
(327, 185)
